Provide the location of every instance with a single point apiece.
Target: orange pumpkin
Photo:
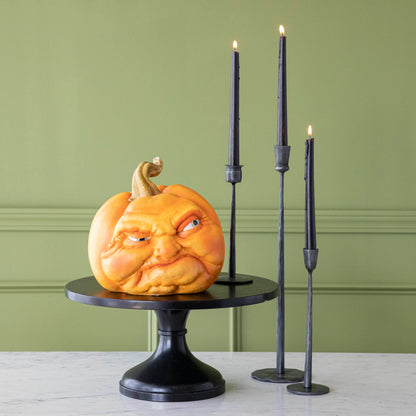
(156, 240)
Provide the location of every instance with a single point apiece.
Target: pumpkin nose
(166, 247)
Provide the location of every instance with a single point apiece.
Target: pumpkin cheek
(207, 245)
(125, 262)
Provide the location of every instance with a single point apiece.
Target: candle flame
(310, 131)
(235, 44)
(282, 30)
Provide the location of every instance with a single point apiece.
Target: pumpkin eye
(194, 223)
(136, 239)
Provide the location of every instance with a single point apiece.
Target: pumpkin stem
(141, 184)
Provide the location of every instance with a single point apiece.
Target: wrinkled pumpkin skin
(170, 243)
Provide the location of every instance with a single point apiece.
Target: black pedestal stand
(172, 373)
(307, 388)
(280, 374)
(233, 175)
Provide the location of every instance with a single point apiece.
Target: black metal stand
(307, 388)
(280, 374)
(233, 175)
(172, 373)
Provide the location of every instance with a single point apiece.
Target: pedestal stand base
(172, 373)
(314, 390)
(162, 380)
(239, 279)
(271, 375)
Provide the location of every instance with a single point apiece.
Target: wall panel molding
(45, 219)
(328, 221)
(248, 221)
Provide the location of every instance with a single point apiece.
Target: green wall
(89, 88)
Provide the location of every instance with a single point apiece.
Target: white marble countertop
(86, 383)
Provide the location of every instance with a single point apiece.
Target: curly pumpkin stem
(141, 184)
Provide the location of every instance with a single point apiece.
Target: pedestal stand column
(172, 373)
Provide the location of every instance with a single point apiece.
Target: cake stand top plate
(87, 290)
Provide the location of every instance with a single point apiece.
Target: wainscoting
(364, 285)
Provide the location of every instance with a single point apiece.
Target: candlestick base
(233, 173)
(239, 279)
(314, 390)
(282, 158)
(271, 375)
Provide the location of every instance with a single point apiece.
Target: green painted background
(88, 89)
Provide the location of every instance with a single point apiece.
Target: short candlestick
(307, 387)
(233, 175)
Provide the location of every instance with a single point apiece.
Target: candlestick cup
(282, 154)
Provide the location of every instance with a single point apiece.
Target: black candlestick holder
(280, 374)
(233, 175)
(307, 388)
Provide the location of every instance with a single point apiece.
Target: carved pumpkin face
(162, 244)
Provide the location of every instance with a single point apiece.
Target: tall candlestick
(234, 145)
(310, 231)
(281, 92)
(280, 374)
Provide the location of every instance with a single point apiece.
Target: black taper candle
(234, 140)
(310, 231)
(281, 93)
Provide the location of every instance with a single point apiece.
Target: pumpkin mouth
(183, 271)
(172, 262)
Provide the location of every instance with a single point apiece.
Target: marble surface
(86, 383)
